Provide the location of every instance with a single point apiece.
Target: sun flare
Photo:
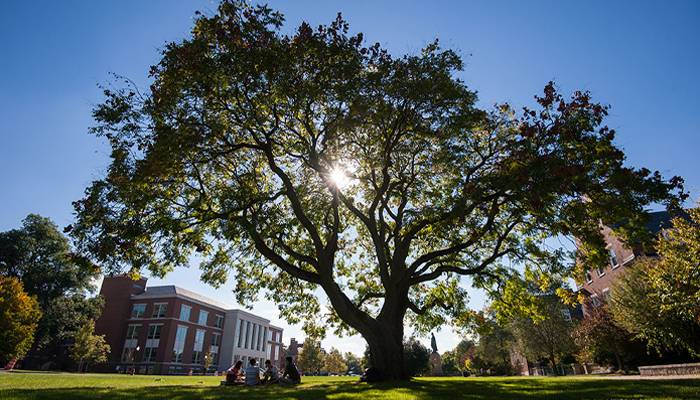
(339, 178)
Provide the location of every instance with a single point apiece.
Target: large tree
(310, 161)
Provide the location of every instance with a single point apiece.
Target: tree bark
(386, 350)
(619, 361)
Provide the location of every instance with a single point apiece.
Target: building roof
(176, 291)
(659, 220)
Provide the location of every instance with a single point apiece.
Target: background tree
(548, 337)
(208, 361)
(455, 360)
(88, 347)
(494, 346)
(312, 161)
(353, 362)
(657, 298)
(311, 357)
(333, 362)
(416, 357)
(601, 340)
(19, 313)
(41, 257)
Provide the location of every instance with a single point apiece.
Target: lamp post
(133, 360)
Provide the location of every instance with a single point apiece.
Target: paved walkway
(644, 377)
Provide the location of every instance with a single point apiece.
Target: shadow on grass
(452, 389)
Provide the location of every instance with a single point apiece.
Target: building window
(601, 271)
(216, 339)
(128, 354)
(185, 312)
(179, 345)
(566, 313)
(595, 300)
(203, 317)
(149, 354)
(589, 277)
(247, 334)
(132, 332)
(159, 310)
(138, 311)
(154, 331)
(197, 349)
(240, 333)
(264, 339)
(219, 323)
(613, 258)
(606, 294)
(254, 336)
(258, 346)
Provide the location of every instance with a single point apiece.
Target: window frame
(199, 317)
(189, 312)
(138, 315)
(136, 330)
(160, 307)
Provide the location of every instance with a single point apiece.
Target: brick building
(597, 281)
(171, 330)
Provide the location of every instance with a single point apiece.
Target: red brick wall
(117, 292)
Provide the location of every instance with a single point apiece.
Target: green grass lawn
(104, 386)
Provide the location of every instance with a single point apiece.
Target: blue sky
(641, 57)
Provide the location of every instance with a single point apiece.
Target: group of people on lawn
(251, 375)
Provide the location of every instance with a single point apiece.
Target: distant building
(171, 330)
(596, 282)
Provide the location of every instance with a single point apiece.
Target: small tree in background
(353, 362)
(492, 351)
(88, 347)
(548, 337)
(19, 316)
(416, 357)
(334, 363)
(208, 361)
(311, 357)
(600, 339)
(457, 359)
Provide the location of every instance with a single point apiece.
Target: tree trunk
(383, 334)
(386, 351)
(619, 361)
(553, 360)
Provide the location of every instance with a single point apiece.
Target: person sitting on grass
(291, 373)
(270, 375)
(252, 373)
(234, 374)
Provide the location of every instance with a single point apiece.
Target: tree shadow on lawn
(452, 389)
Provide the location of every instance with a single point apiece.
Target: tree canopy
(313, 160)
(41, 257)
